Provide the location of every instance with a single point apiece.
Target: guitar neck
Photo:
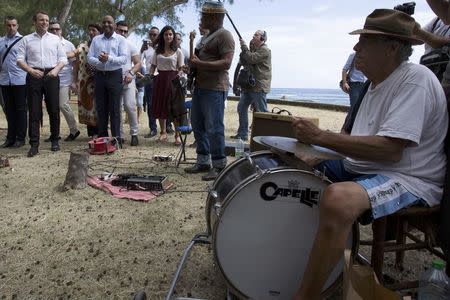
(191, 44)
(191, 48)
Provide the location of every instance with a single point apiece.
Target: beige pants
(66, 110)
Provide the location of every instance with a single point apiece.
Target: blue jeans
(355, 90)
(207, 123)
(148, 94)
(258, 99)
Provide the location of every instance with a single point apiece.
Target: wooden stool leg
(377, 258)
(402, 227)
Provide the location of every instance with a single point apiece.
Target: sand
(85, 244)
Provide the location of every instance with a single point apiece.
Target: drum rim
(333, 286)
(209, 229)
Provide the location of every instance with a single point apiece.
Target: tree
(75, 15)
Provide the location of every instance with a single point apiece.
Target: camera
(145, 42)
(407, 8)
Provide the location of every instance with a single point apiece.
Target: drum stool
(184, 130)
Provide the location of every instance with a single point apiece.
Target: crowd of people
(393, 160)
(103, 72)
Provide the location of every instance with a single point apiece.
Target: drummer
(394, 151)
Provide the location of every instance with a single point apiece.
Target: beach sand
(85, 244)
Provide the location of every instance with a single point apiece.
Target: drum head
(265, 233)
(234, 174)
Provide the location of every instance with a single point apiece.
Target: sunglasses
(122, 30)
(54, 29)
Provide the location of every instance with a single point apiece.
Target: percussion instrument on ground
(263, 216)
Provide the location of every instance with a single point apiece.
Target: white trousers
(128, 102)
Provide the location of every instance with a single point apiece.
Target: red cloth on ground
(121, 192)
(161, 94)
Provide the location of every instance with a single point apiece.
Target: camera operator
(257, 58)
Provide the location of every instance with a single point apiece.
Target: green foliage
(138, 13)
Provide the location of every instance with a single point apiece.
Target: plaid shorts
(386, 195)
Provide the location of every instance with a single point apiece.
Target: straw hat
(391, 23)
(213, 7)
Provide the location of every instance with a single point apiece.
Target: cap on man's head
(213, 7)
(390, 22)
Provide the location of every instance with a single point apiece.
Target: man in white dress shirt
(107, 54)
(12, 81)
(65, 79)
(42, 56)
(129, 70)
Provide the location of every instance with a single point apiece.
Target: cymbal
(292, 145)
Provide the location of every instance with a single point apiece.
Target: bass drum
(233, 175)
(264, 229)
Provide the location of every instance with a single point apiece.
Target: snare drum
(264, 217)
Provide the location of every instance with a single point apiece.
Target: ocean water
(328, 96)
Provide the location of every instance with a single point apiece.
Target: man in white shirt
(179, 41)
(147, 50)
(128, 97)
(394, 150)
(13, 89)
(107, 54)
(42, 56)
(65, 80)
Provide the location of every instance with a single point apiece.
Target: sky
(309, 40)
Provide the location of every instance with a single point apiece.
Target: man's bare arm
(374, 148)
(442, 9)
(435, 41)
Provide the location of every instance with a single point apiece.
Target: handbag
(245, 79)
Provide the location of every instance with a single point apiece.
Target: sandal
(177, 139)
(163, 137)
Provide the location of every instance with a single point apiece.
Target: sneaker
(134, 140)
(197, 168)
(212, 174)
(151, 134)
(72, 137)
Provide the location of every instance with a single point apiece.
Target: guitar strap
(9, 48)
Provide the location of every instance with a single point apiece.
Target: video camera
(407, 8)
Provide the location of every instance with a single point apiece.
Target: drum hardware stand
(321, 175)
(200, 238)
(258, 170)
